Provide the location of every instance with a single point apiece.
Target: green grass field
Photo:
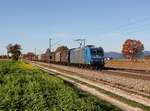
(25, 88)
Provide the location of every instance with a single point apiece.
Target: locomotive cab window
(100, 52)
(96, 52)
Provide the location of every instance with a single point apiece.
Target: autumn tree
(14, 50)
(132, 49)
(61, 48)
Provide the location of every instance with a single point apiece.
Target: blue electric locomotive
(89, 56)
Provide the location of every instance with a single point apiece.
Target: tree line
(131, 49)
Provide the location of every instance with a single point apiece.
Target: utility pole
(50, 40)
(35, 51)
(84, 42)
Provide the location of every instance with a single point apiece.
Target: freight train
(88, 56)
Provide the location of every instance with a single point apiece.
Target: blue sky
(106, 23)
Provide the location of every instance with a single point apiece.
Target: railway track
(125, 75)
(125, 69)
(84, 82)
(138, 74)
(132, 73)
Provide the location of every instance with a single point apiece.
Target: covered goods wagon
(52, 57)
(58, 57)
(64, 57)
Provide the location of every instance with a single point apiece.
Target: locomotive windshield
(97, 52)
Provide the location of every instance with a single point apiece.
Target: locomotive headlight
(102, 60)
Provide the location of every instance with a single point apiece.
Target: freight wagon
(58, 57)
(64, 57)
(52, 57)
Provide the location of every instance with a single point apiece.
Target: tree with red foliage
(132, 49)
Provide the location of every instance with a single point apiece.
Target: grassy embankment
(23, 87)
